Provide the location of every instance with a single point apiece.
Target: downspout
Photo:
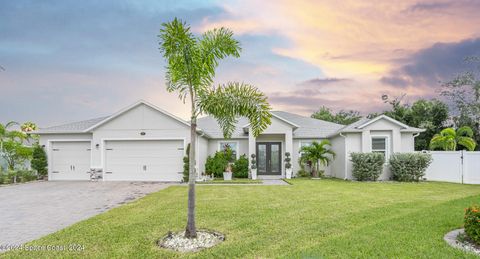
(345, 160)
(414, 136)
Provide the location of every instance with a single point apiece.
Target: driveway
(32, 210)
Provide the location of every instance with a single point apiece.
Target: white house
(145, 143)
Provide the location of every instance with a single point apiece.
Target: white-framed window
(380, 145)
(233, 145)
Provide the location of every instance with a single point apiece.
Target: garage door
(70, 160)
(144, 160)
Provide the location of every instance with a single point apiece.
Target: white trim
(382, 117)
(103, 140)
(387, 145)
(237, 144)
(280, 118)
(131, 107)
(49, 151)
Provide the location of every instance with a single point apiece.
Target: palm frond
(467, 142)
(228, 102)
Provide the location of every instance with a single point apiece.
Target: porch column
(251, 146)
(288, 148)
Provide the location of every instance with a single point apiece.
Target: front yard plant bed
(178, 241)
(234, 181)
(309, 219)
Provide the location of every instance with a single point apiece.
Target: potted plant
(253, 167)
(227, 175)
(288, 166)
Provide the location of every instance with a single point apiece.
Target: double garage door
(123, 160)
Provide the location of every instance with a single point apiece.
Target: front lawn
(309, 219)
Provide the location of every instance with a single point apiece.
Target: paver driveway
(32, 210)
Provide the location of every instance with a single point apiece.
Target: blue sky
(74, 60)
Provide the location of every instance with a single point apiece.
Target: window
(232, 145)
(380, 145)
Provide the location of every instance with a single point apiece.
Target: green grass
(234, 181)
(309, 219)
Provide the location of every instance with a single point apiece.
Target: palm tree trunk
(191, 230)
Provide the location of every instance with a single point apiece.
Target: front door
(269, 158)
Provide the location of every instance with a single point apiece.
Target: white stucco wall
(338, 164)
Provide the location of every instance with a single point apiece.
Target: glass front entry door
(269, 158)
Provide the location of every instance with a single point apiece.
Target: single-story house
(145, 143)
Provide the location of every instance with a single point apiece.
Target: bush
(39, 160)
(367, 166)
(408, 167)
(240, 167)
(472, 223)
(216, 165)
(20, 176)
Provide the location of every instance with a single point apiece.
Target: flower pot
(288, 173)
(227, 176)
(254, 174)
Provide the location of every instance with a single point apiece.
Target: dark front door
(269, 156)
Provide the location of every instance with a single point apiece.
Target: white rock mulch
(452, 238)
(178, 241)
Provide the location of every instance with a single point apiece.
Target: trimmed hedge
(240, 167)
(367, 166)
(409, 167)
(472, 223)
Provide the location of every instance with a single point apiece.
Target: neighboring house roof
(359, 125)
(305, 127)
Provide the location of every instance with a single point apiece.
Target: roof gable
(382, 117)
(131, 107)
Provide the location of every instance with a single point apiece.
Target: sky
(64, 61)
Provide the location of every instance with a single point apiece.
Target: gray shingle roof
(308, 127)
(354, 127)
(74, 127)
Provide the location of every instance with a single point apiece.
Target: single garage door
(70, 160)
(144, 160)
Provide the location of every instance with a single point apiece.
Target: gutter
(345, 160)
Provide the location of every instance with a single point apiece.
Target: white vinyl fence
(454, 166)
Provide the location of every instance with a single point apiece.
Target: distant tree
(431, 115)
(463, 91)
(342, 117)
(39, 160)
(449, 139)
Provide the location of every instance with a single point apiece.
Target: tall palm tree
(191, 64)
(317, 153)
(448, 139)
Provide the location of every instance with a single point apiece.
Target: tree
(191, 64)
(431, 115)
(449, 139)
(39, 160)
(463, 91)
(4, 132)
(342, 117)
(317, 153)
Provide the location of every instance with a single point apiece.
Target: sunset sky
(72, 60)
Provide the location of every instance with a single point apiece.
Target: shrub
(367, 166)
(408, 167)
(240, 167)
(472, 223)
(26, 176)
(39, 160)
(216, 165)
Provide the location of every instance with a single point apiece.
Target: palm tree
(191, 64)
(5, 133)
(316, 154)
(448, 139)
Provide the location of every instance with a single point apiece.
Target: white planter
(254, 174)
(227, 176)
(288, 173)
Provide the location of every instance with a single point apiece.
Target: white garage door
(70, 160)
(144, 160)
